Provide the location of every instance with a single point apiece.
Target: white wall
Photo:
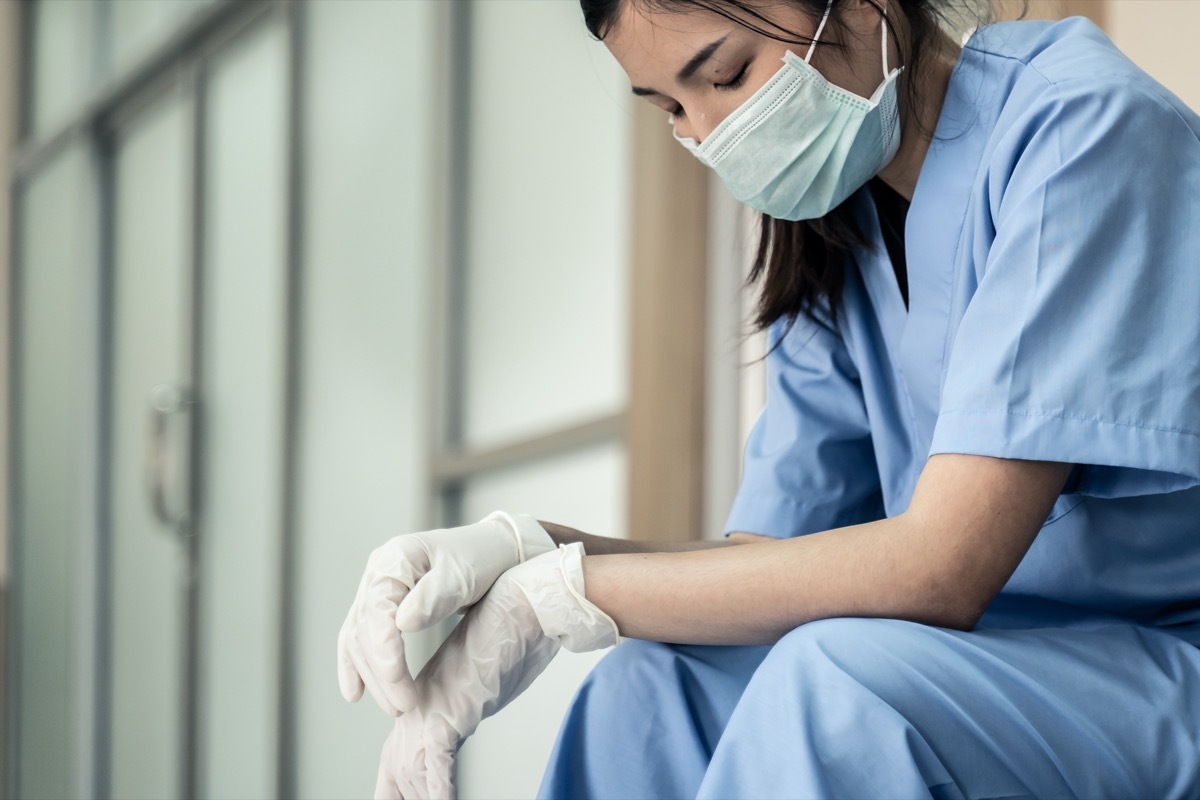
(1160, 36)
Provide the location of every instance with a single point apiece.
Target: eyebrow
(690, 68)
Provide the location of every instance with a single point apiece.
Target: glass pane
(586, 490)
(242, 396)
(53, 403)
(151, 275)
(138, 26)
(546, 207)
(367, 248)
(63, 58)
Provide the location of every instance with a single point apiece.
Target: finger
(379, 690)
(384, 650)
(349, 682)
(404, 559)
(378, 617)
(429, 603)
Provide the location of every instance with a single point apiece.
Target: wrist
(575, 622)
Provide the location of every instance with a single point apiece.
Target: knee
(864, 650)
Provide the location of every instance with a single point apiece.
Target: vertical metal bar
(86, 523)
(285, 778)
(26, 26)
(12, 694)
(16, 483)
(449, 326)
(102, 676)
(197, 85)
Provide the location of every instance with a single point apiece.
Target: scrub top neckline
(919, 337)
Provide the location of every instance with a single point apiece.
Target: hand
(503, 643)
(417, 580)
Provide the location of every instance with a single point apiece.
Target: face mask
(800, 145)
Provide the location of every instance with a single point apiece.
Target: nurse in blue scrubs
(964, 560)
(981, 447)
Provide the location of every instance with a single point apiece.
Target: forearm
(755, 593)
(604, 545)
(940, 562)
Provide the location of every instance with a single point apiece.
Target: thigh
(646, 720)
(883, 708)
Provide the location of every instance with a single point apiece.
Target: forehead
(646, 39)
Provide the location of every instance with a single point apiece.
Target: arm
(971, 520)
(940, 562)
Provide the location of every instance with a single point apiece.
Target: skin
(971, 519)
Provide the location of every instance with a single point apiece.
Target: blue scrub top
(1053, 249)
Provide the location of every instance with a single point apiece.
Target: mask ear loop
(816, 36)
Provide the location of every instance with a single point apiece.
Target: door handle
(169, 456)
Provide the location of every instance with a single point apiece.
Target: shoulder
(1052, 50)
(1072, 111)
(1070, 87)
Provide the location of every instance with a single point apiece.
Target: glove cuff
(580, 626)
(532, 539)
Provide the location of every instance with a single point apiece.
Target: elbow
(959, 609)
(961, 619)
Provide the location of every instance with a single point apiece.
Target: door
(197, 425)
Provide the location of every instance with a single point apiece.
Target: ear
(860, 19)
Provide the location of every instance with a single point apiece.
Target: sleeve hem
(1036, 436)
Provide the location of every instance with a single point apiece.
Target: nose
(697, 131)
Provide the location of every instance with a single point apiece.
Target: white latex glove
(503, 643)
(415, 581)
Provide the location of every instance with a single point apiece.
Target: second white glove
(503, 643)
(415, 581)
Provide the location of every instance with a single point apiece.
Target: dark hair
(799, 264)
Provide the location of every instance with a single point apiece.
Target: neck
(918, 123)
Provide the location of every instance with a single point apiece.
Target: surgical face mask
(800, 145)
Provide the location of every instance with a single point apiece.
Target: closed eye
(736, 81)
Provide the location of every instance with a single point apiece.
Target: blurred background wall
(286, 279)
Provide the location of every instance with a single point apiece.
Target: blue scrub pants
(870, 708)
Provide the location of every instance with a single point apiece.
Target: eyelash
(734, 83)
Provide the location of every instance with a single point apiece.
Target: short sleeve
(809, 464)
(1081, 343)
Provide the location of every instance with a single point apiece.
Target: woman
(965, 557)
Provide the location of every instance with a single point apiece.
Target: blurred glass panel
(586, 490)
(53, 404)
(245, 292)
(368, 251)
(63, 59)
(547, 209)
(150, 346)
(137, 26)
